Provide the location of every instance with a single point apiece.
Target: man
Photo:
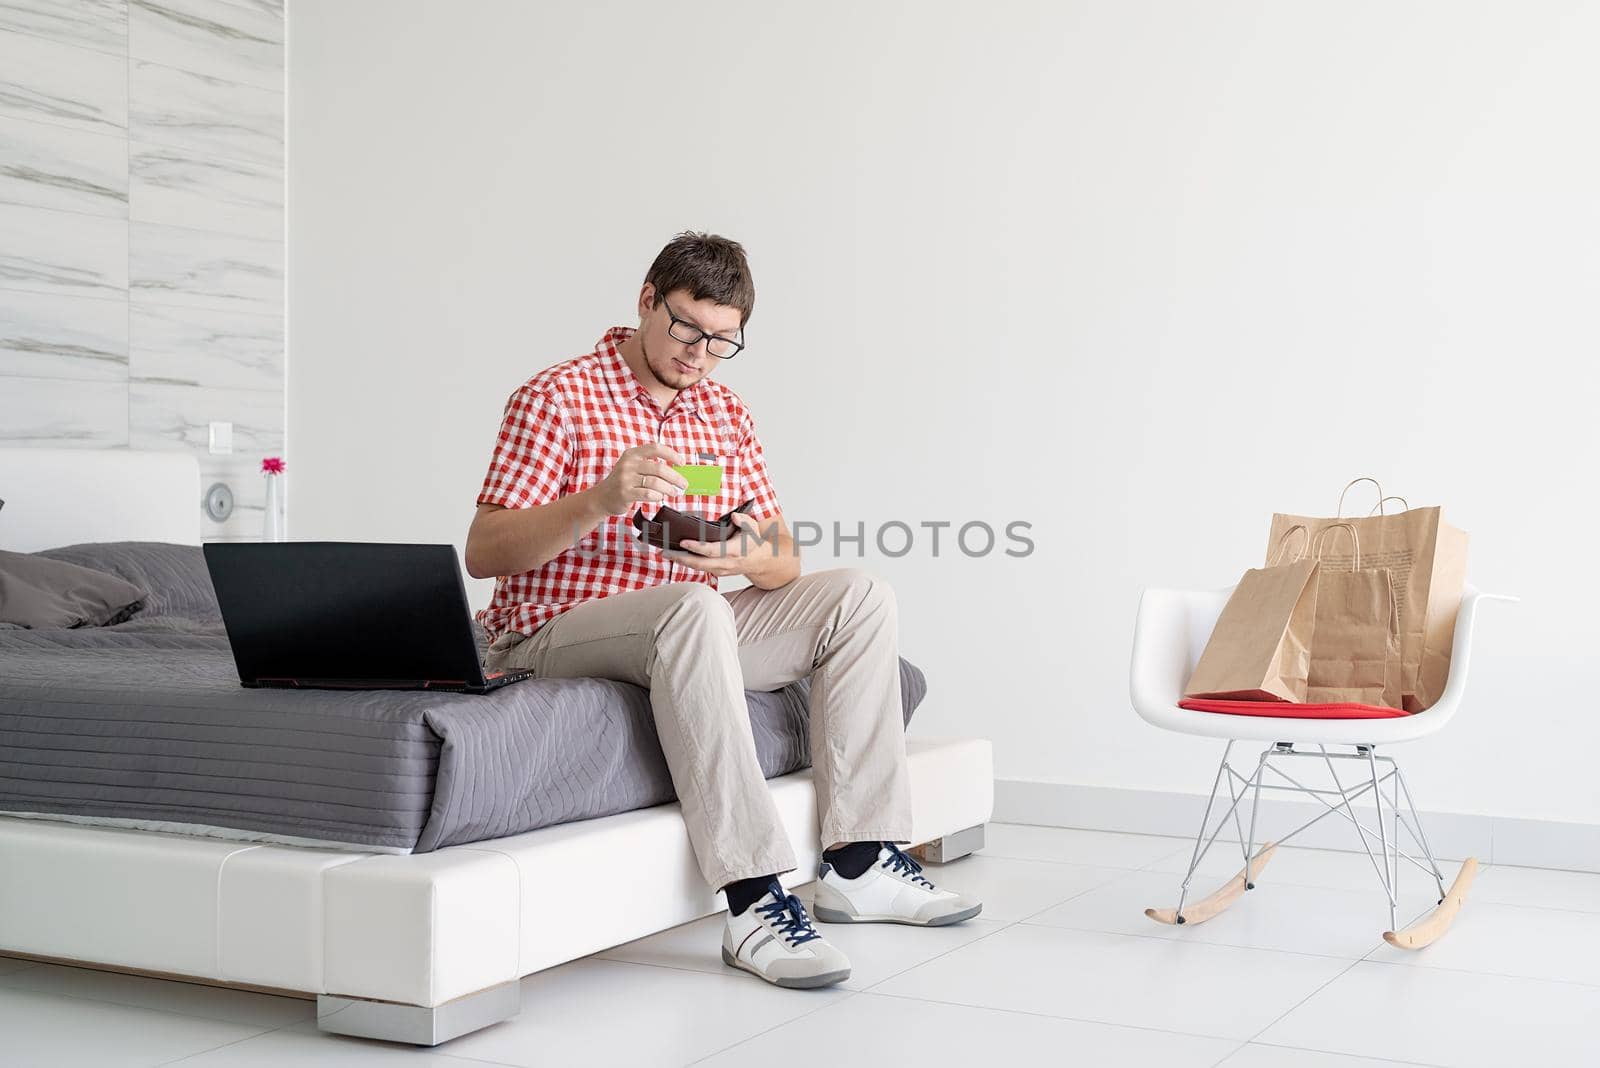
(586, 444)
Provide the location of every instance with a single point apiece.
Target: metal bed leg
(419, 1025)
(952, 846)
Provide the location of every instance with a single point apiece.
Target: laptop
(349, 616)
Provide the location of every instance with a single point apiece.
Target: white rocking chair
(1171, 631)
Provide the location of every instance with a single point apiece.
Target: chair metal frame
(1171, 630)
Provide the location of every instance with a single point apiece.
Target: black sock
(852, 858)
(743, 893)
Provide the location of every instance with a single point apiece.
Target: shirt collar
(625, 385)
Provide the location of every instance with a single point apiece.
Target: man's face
(675, 364)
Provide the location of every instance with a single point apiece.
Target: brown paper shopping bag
(1260, 647)
(1427, 561)
(1355, 644)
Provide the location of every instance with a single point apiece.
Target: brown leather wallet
(669, 528)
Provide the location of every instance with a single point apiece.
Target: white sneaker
(775, 940)
(893, 890)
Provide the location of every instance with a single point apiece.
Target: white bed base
(417, 948)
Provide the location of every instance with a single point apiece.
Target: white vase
(272, 524)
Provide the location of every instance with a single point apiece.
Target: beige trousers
(698, 650)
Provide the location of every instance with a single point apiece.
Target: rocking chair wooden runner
(1172, 628)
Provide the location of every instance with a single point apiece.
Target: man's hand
(741, 554)
(642, 473)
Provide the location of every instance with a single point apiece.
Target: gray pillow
(175, 575)
(53, 593)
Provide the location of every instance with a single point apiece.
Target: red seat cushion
(1290, 710)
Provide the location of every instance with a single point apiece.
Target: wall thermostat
(219, 502)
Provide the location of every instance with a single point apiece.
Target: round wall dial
(219, 502)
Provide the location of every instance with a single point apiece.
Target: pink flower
(272, 465)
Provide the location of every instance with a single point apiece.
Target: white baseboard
(1453, 835)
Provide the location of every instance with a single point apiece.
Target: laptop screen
(356, 611)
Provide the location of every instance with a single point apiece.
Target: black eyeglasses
(685, 332)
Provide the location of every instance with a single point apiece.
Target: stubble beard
(667, 375)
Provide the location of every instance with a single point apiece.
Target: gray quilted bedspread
(147, 720)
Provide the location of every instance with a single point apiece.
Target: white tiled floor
(1061, 968)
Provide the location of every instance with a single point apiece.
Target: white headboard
(64, 496)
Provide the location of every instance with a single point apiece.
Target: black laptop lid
(311, 610)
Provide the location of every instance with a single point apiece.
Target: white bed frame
(419, 948)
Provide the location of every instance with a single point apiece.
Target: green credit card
(705, 480)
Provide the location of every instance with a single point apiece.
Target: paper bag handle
(1357, 482)
(1355, 539)
(1377, 509)
(1277, 553)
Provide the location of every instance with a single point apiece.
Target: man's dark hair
(710, 267)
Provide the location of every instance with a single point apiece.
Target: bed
(380, 852)
(143, 724)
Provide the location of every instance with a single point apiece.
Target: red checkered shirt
(563, 432)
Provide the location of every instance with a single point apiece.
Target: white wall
(141, 233)
(1138, 273)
